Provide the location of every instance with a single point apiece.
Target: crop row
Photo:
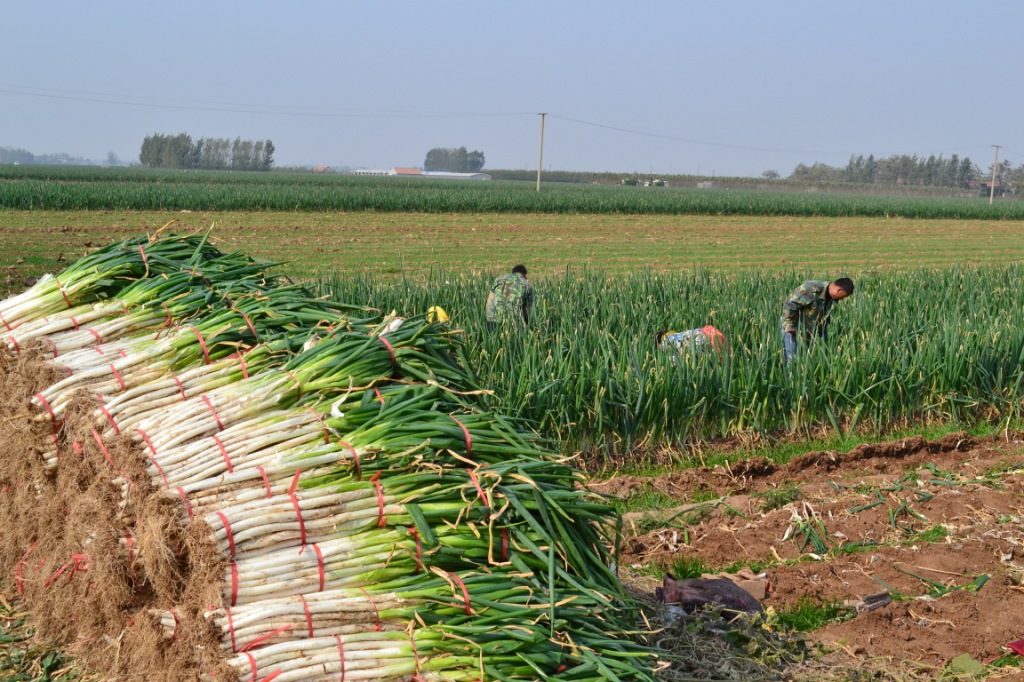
(924, 345)
(139, 189)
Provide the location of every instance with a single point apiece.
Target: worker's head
(658, 336)
(840, 288)
(521, 269)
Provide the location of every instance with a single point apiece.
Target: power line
(706, 143)
(725, 145)
(259, 109)
(326, 112)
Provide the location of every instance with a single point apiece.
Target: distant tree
(178, 151)
(216, 154)
(267, 162)
(453, 160)
(256, 160)
(949, 171)
(1002, 171)
(12, 155)
(770, 175)
(1016, 179)
(819, 172)
(166, 151)
(966, 174)
(241, 154)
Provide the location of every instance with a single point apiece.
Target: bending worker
(809, 307)
(511, 296)
(692, 339)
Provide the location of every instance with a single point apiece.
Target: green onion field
(528, 474)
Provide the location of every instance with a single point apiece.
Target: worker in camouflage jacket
(809, 308)
(511, 297)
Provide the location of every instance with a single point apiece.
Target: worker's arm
(490, 302)
(527, 304)
(790, 319)
(791, 312)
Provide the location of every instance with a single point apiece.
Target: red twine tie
(110, 419)
(479, 491)
(309, 616)
(247, 321)
(465, 432)
(231, 630)
(263, 638)
(181, 389)
(234, 583)
(63, 293)
(120, 380)
(266, 481)
(341, 655)
(419, 547)
(152, 459)
(298, 514)
(223, 452)
(202, 343)
(381, 520)
(231, 536)
(209, 404)
(376, 611)
(465, 592)
(391, 352)
(103, 448)
(319, 564)
(184, 498)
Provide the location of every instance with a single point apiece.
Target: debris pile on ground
(917, 543)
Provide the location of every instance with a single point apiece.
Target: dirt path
(937, 524)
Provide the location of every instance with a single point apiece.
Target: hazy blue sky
(712, 87)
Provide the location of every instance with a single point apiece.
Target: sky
(709, 87)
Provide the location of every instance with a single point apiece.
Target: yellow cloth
(436, 313)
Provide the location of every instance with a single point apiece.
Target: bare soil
(938, 524)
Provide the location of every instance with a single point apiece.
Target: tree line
(901, 169)
(454, 160)
(207, 153)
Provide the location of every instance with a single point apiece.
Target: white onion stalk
(211, 412)
(59, 322)
(96, 356)
(145, 354)
(129, 408)
(355, 561)
(321, 515)
(362, 656)
(248, 443)
(330, 613)
(110, 330)
(214, 489)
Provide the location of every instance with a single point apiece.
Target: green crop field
(40, 187)
(920, 346)
(933, 334)
(416, 243)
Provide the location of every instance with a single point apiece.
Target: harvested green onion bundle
(103, 273)
(312, 489)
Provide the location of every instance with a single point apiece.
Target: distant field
(138, 189)
(416, 242)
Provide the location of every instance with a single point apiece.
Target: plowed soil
(937, 524)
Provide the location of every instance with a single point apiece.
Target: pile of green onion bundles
(208, 473)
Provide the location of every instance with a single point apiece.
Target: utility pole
(540, 162)
(995, 165)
